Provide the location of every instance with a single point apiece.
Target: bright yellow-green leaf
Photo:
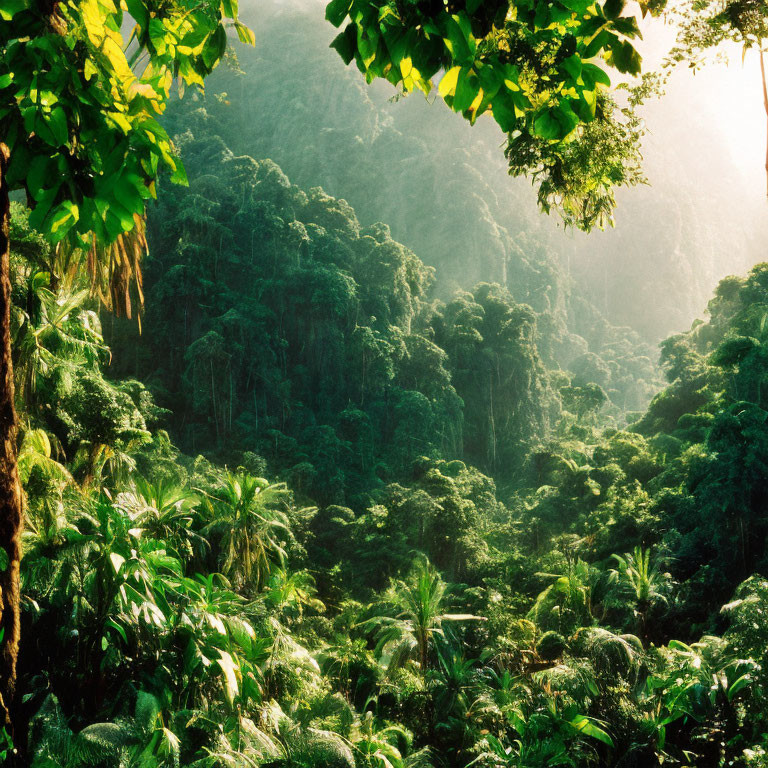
(229, 8)
(447, 86)
(245, 34)
(89, 69)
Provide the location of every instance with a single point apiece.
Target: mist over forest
(444, 191)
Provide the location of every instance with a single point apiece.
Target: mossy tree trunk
(11, 510)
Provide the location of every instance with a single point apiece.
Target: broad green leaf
(598, 43)
(503, 110)
(179, 175)
(40, 170)
(128, 193)
(230, 8)
(367, 43)
(467, 89)
(521, 101)
(460, 45)
(589, 727)
(62, 219)
(43, 205)
(548, 127)
(586, 106)
(612, 8)
(9, 8)
(336, 11)
(627, 25)
(592, 74)
(490, 80)
(57, 122)
(572, 65)
(229, 670)
(117, 220)
(345, 43)
(215, 47)
(559, 13)
(555, 124)
(567, 117)
(625, 58)
(157, 36)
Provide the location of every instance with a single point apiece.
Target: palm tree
(350, 666)
(139, 739)
(640, 577)
(165, 511)
(568, 602)
(499, 698)
(56, 335)
(250, 525)
(44, 479)
(413, 613)
(36, 452)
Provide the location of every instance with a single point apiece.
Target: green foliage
(351, 372)
(411, 616)
(80, 125)
(247, 523)
(550, 646)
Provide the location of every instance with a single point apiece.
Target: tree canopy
(78, 112)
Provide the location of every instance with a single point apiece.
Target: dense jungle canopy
(328, 439)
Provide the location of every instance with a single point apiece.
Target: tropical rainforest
(323, 446)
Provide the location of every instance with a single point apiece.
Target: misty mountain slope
(277, 324)
(442, 185)
(440, 188)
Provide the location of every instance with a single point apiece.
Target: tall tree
(11, 511)
(78, 133)
(412, 613)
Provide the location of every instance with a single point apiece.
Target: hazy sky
(726, 93)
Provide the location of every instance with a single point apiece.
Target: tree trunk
(10, 487)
